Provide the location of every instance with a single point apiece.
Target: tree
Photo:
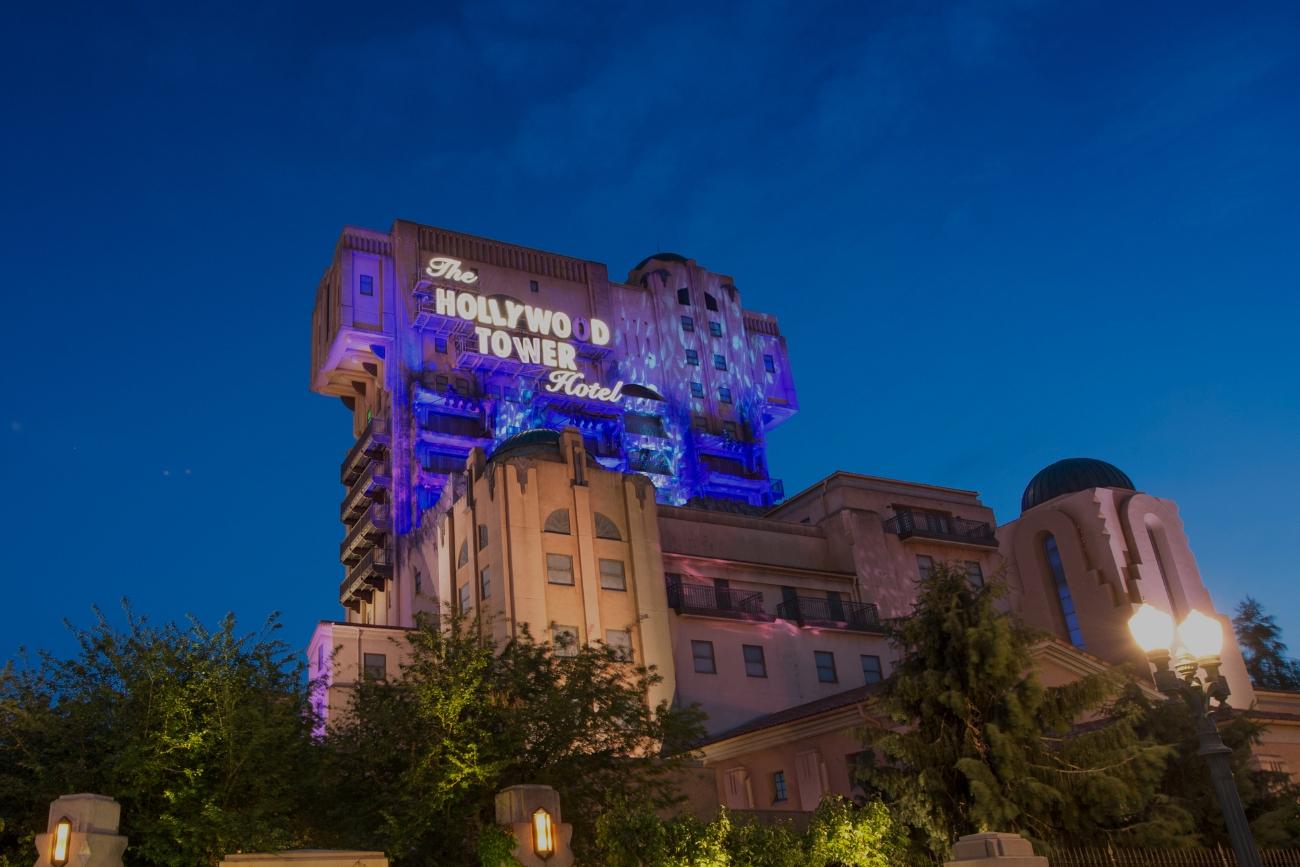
(1261, 644)
(969, 740)
(418, 759)
(203, 736)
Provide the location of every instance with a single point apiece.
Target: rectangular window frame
(826, 670)
(871, 667)
(755, 660)
(372, 662)
(715, 328)
(613, 579)
(719, 361)
(688, 323)
(702, 654)
(558, 564)
(365, 284)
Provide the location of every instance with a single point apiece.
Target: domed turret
(1070, 476)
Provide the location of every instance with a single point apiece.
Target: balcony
(710, 601)
(940, 527)
(831, 613)
(365, 577)
(367, 488)
(371, 444)
(369, 529)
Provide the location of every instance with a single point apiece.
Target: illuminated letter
(568, 355)
(482, 339)
(581, 330)
(483, 311)
(539, 320)
(494, 308)
(513, 311)
(548, 353)
(446, 302)
(561, 325)
(599, 332)
(528, 349)
(500, 344)
(441, 266)
(466, 307)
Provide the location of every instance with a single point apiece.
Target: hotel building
(587, 457)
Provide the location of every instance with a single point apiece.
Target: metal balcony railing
(838, 613)
(370, 528)
(685, 598)
(368, 486)
(368, 574)
(372, 442)
(945, 528)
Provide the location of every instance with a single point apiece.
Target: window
(482, 536)
(441, 382)
(697, 390)
(1064, 599)
(700, 423)
(779, 793)
(565, 640)
(923, 566)
(367, 284)
(729, 429)
(825, 666)
(606, 528)
(644, 425)
(710, 303)
(612, 576)
(557, 522)
(688, 324)
(374, 666)
(769, 364)
(715, 328)
(974, 574)
(683, 295)
(485, 582)
(533, 287)
(462, 386)
(692, 358)
(724, 394)
(702, 653)
(719, 362)
(871, 672)
(463, 557)
(620, 641)
(440, 344)
(755, 663)
(418, 581)
(464, 598)
(559, 569)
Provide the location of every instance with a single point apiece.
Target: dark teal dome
(537, 442)
(1070, 476)
(663, 257)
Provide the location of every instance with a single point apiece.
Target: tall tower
(439, 343)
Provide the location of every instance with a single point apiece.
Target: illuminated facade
(587, 457)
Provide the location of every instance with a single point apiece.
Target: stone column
(515, 808)
(94, 841)
(992, 849)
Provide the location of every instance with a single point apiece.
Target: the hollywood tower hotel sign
(506, 328)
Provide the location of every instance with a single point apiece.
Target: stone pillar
(94, 841)
(992, 849)
(515, 808)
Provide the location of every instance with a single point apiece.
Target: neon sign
(449, 269)
(570, 382)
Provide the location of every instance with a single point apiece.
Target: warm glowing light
(1202, 635)
(61, 842)
(1152, 628)
(543, 834)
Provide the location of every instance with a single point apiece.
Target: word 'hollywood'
(554, 327)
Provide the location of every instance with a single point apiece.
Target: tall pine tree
(971, 741)
(1262, 646)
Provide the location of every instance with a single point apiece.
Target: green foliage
(840, 834)
(496, 848)
(1269, 798)
(418, 760)
(1263, 649)
(972, 741)
(203, 736)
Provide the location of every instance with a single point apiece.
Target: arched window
(607, 529)
(463, 557)
(557, 522)
(1064, 600)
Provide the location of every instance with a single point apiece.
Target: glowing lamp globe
(1152, 628)
(61, 842)
(1201, 635)
(543, 834)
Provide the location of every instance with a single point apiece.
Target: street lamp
(543, 834)
(61, 842)
(1201, 640)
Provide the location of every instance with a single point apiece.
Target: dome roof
(538, 442)
(663, 257)
(1070, 476)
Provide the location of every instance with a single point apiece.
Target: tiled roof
(800, 711)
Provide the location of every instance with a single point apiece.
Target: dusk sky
(995, 235)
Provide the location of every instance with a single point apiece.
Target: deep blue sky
(996, 234)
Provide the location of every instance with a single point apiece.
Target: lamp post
(1201, 641)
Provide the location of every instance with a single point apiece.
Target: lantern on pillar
(543, 834)
(61, 842)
